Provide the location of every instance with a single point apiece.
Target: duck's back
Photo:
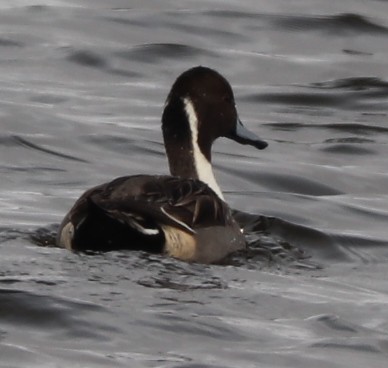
(181, 217)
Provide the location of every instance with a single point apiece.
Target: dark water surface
(82, 90)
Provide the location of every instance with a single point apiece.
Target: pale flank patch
(179, 244)
(67, 235)
(202, 165)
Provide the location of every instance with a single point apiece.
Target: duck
(183, 215)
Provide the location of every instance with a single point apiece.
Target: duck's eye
(227, 99)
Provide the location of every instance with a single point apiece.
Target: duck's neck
(185, 157)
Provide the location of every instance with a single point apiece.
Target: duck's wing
(142, 202)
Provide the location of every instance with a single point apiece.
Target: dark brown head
(207, 94)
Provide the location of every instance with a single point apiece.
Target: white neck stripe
(202, 165)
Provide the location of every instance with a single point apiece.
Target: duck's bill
(244, 136)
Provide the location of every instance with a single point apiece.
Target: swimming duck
(183, 215)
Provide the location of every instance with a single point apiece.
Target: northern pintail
(183, 215)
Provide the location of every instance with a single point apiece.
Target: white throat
(201, 163)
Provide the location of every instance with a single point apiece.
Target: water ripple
(335, 24)
(152, 53)
(352, 128)
(25, 143)
(348, 93)
(87, 58)
(50, 313)
(354, 84)
(6, 42)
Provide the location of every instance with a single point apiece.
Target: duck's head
(200, 108)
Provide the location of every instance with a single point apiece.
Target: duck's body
(183, 215)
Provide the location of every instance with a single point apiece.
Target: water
(82, 90)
